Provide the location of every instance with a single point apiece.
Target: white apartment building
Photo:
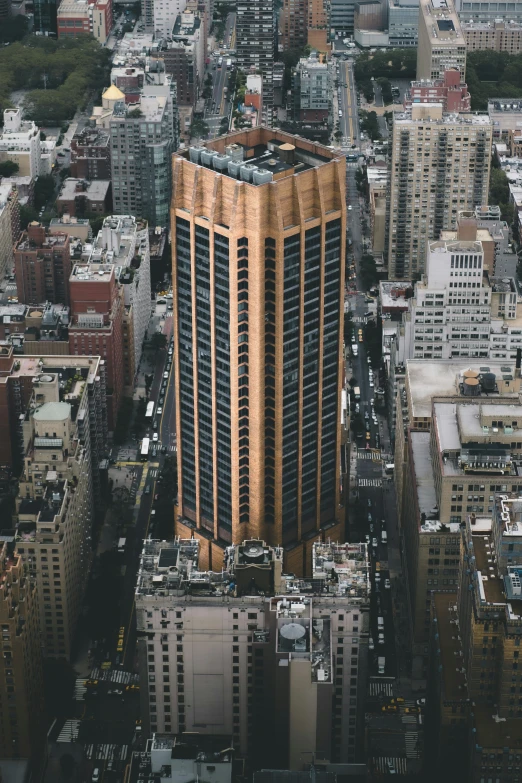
(160, 15)
(20, 142)
(124, 242)
(251, 653)
(56, 501)
(441, 44)
(458, 310)
(440, 166)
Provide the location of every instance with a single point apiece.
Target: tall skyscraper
(441, 42)
(440, 166)
(259, 223)
(255, 44)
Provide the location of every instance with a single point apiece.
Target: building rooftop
(509, 514)
(490, 582)
(100, 273)
(431, 112)
(53, 411)
(95, 190)
(449, 647)
(445, 26)
(440, 378)
(423, 468)
(113, 93)
(268, 157)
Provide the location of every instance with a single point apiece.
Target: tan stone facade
(256, 221)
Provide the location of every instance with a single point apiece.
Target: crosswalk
(384, 765)
(117, 676)
(362, 482)
(411, 740)
(70, 731)
(374, 455)
(381, 688)
(79, 689)
(106, 752)
(153, 473)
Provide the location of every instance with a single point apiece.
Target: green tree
(8, 168)
(13, 28)
(157, 341)
(121, 430)
(499, 194)
(27, 215)
(386, 92)
(368, 270)
(199, 129)
(43, 190)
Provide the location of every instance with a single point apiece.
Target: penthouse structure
(264, 455)
(96, 327)
(251, 653)
(441, 42)
(22, 729)
(450, 158)
(56, 501)
(42, 266)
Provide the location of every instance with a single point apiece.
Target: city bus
(150, 410)
(145, 443)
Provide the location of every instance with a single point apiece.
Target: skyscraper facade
(439, 166)
(259, 223)
(255, 44)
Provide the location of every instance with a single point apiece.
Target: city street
(349, 121)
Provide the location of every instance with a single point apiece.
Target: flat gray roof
(426, 495)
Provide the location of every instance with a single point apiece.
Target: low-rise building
(91, 154)
(75, 227)
(450, 90)
(208, 757)
(499, 36)
(87, 17)
(252, 653)
(505, 115)
(81, 197)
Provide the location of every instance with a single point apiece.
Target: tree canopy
(492, 74)
(60, 75)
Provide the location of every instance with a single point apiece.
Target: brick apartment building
(42, 266)
(91, 154)
(81, 197)
(96, 327)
